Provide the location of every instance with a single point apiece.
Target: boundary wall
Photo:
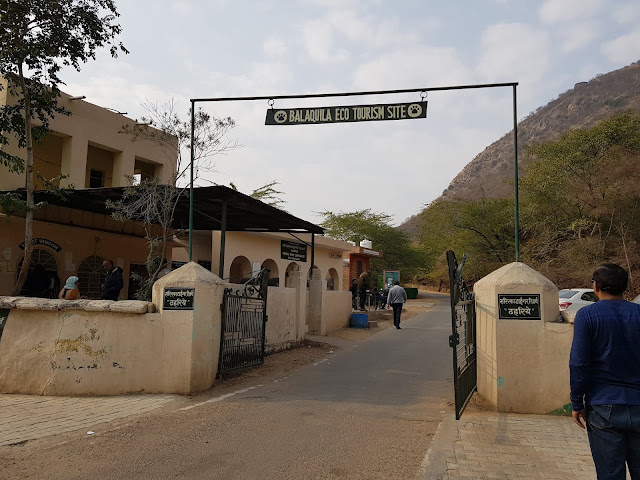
(101, 347)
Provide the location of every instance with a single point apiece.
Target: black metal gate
(463, 335)
(244, 316)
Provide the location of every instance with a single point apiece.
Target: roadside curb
(434, 465)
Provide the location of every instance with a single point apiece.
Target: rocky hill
(489, 173)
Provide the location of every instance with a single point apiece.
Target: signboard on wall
(391, 276)
(296, 252)
(176, 298)
(346, 114)
(519, 306)
(43, 241)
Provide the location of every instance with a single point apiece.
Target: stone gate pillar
(192, 295)
(523, 354)
(298, 282)
(317, 285)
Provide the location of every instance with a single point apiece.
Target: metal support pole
(383, 92)
(515, 151)
(313, 251)
(223, 236)
(193, 126)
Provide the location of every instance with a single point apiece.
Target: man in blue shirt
(605, 375)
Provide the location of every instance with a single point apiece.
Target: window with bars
(91, 277)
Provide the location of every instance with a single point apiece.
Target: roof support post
(313, 251)
(223, 235)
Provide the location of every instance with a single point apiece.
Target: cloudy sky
(185, 49)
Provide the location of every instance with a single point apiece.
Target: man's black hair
(611, 278)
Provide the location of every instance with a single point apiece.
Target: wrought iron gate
(244, 316)
(463, 335)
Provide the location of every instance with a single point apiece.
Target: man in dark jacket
(363, 286)
(354, 293)
(113, 281)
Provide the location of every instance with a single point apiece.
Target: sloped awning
(243, 213)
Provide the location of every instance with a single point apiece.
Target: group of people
(111, 287)
(395, 297)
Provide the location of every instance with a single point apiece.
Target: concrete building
(248, 252)
(356, 261)
(73, 237)
(89, 149)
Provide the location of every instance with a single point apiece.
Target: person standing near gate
(363, 286)
(354, 293)
(396, 298)
(113, 281)
(605, 375)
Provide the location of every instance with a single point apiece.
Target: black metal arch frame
(271, 98)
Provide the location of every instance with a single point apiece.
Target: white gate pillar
(523, 355)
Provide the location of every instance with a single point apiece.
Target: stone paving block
(511, 446)
(25, 417)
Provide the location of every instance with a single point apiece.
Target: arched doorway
(36, 284)
(274, 274)
(290, 268)
(91, 277)
(240, 270)
(332, 279)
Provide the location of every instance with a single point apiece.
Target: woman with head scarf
(70, 290)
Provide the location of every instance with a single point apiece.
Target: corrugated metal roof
(244, 213)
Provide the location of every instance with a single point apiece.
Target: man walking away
(363, 286)
(113, 281)
(396, 298)
(605, 375)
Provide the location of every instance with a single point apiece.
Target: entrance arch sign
(346, 114)
(271, 98)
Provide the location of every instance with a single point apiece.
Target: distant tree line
(579, 201)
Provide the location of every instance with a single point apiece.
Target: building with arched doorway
(234, 235)
(87, 151)
(245, 253)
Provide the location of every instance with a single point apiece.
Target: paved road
(368, 411)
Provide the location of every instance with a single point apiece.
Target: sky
(184, 49)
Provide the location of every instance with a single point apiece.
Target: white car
(573, 299)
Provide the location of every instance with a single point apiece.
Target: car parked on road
(573, 299)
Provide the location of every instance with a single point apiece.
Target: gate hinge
(454, 338)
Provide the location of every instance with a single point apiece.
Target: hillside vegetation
(579, 201)
(490, 174)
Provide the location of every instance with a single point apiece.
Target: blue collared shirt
(605, 355)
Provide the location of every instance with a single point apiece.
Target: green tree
(267, 193)
(40, 37)
(580, 199)
(483, 229)
(399, 253)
